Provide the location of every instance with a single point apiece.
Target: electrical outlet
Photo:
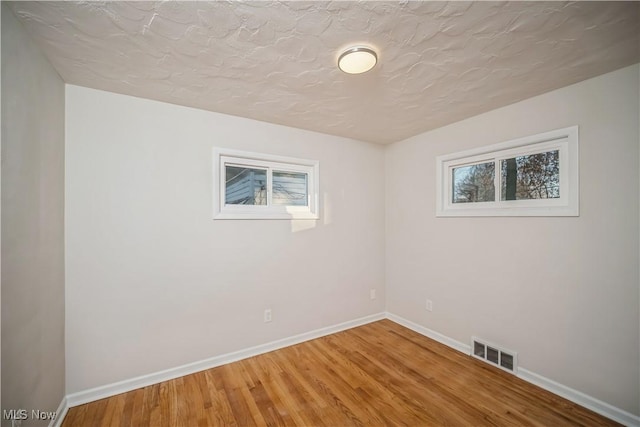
(267, 315)
(372, 294)
(429, 306)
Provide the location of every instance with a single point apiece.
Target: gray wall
(33, 97)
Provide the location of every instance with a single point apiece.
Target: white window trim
(222, 156)
(565, 140)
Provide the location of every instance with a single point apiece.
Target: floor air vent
(495, 355)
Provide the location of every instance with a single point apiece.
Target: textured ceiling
(439, 62)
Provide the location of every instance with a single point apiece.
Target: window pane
(289, 188)
(535, 176)
(245, 186)
(474, 183)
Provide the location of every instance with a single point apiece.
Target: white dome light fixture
(357, 60)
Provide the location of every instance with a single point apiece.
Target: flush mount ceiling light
(357, 60)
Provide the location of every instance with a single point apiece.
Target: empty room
(320, 213)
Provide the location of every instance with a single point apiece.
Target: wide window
(532, 176)
(262, 186)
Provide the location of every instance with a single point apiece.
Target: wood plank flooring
(375, 375)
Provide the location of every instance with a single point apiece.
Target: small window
(261, 186)
(532, 176)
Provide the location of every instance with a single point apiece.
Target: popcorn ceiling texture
(439, 62)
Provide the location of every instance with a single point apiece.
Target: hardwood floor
(374, 375)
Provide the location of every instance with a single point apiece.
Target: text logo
(14, 414)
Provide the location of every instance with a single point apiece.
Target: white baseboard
(60, 413)
(436, 336)
(86, 396)
(598, 406)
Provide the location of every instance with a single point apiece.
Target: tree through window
(534, 176)
(474, 183)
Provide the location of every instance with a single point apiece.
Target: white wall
(153, 282)
(562, 292)
(32, 225)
